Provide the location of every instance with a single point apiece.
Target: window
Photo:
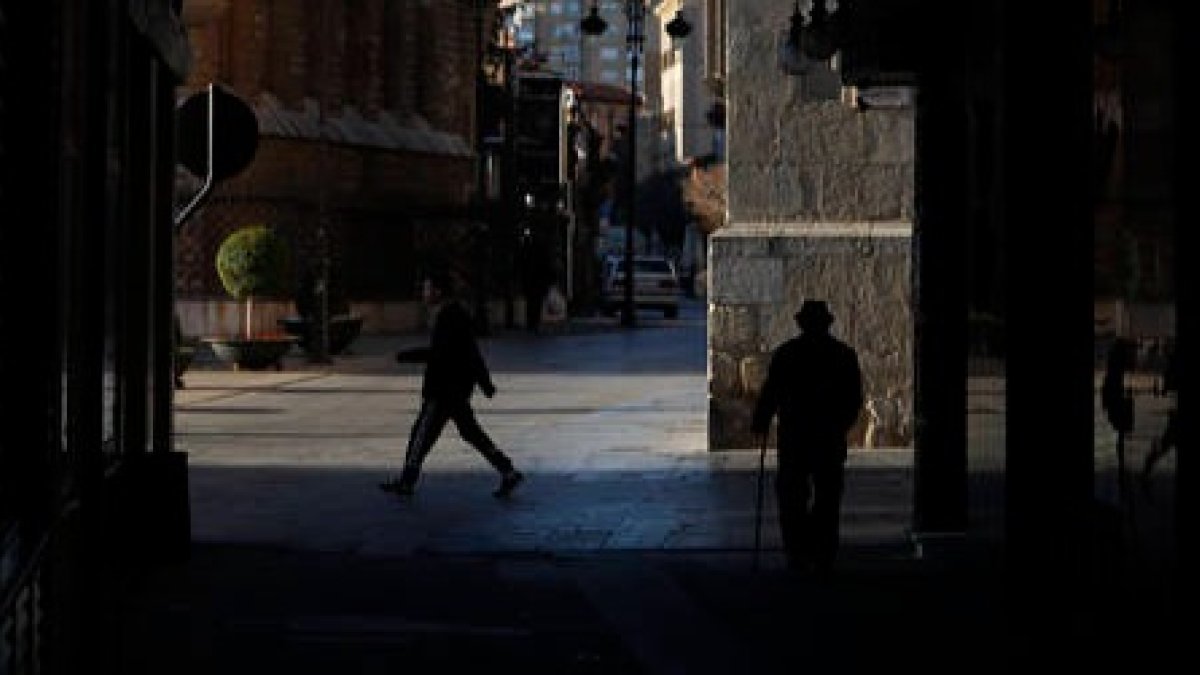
(565, 59)
(565, 53)
(610, 53)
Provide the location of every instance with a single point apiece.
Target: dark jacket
(1116, 401)
(815, 386)
(453, 364)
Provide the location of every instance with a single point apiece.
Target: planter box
(256, 353)
(343, 330)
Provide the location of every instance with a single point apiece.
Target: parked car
(656, 285)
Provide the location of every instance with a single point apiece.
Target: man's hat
(814, 313)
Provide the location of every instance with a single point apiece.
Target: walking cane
(762, 466)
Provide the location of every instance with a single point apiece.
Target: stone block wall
(759, 277)
(820, 206)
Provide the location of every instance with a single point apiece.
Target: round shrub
(253, 261)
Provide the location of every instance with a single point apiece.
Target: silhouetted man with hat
(814, 385)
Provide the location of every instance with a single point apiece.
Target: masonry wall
(390, 167)
(820, 206)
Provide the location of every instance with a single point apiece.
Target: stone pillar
(1187, 485)
(1050, 399)
(820, 206)
(940, 292)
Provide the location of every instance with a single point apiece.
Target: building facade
(366, 156)
(1135, 260)
(820, 205)
(92, 492)
(551, 28)
(690, 80)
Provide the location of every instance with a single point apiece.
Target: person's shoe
(397, 487)
(508, 483)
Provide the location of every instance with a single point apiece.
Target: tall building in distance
(679, 82)
(550, 29)
(692, 79)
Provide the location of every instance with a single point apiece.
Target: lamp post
(319, 333)
(498, 63)
(635, 39)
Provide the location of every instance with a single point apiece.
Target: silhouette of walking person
(536, 279)
(453, 367)
(814, 386)
(1160, 446)
(1116, 398)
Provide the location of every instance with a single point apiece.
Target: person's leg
(1161, 445)
(471, 432)
(828, 485)
(425, 431)
(793, 492)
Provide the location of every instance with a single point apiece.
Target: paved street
(628, 550)
(608, 426)
(622, 553)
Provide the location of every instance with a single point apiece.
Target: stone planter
(343, 330)
(255, 353)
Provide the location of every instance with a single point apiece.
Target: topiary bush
(253, 261)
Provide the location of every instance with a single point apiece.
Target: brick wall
(358, 60)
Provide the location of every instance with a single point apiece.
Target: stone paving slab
(629, 550)
(609, 427)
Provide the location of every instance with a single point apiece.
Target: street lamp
(635, 39)
(498, 63)
(819, 38)
(319, 334)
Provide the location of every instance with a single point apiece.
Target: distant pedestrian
(537, 277)
(1169, 438)
(1116, 398)
(454, 366)
(814, 385)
